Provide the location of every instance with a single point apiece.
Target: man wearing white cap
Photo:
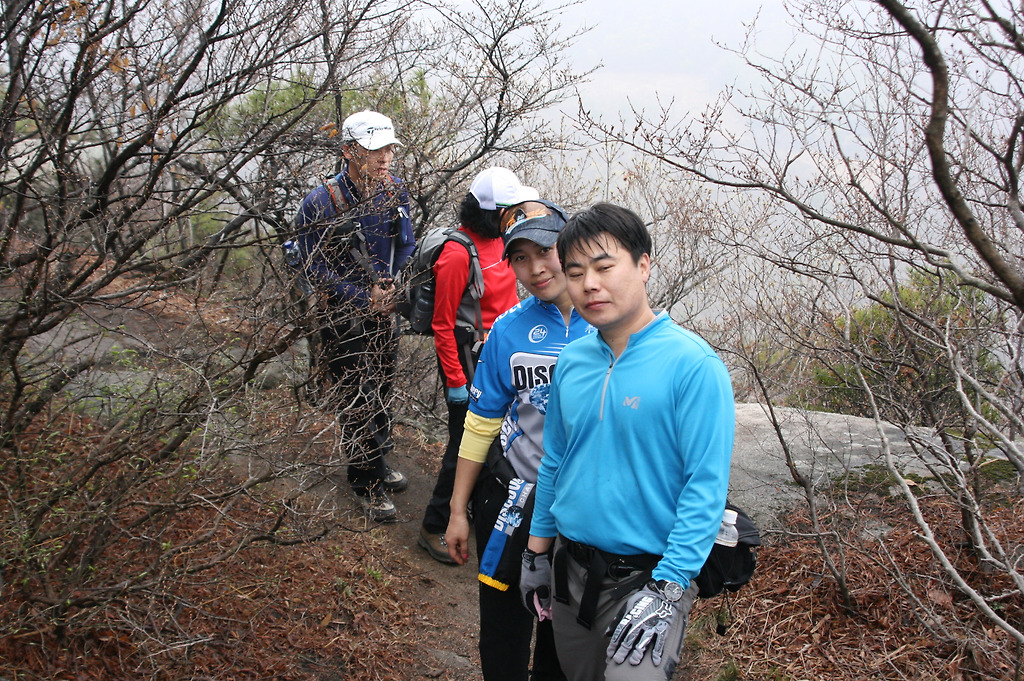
(354, 235)
(458, 333)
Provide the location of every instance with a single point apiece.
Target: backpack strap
(357, 240)
(337, 196)
(361, 254)
(398, 211)
(474, 283)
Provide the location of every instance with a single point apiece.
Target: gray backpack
(417, 285)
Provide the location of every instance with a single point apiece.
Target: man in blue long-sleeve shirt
(632, 486)
(354, 235)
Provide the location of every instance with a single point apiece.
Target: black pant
(506, 626)
(435, 519)
(359, 354)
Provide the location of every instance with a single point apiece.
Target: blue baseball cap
(539, 221)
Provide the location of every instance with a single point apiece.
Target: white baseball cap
(371, 129)
(499, 188)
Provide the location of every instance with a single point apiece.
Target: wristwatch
(672, 591)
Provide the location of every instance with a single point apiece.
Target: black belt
(599, 565)
(617, 566)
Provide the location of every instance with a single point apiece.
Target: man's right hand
(535, 584)
(457, 537)
(382, 299)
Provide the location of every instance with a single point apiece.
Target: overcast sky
(667, 48)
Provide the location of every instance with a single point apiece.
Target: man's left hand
(457, 395)
(647, 617)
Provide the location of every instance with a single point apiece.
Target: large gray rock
(822, 446)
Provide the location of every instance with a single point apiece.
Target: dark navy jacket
(328, 258)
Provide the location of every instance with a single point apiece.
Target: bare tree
(876, 248)
(152, 157)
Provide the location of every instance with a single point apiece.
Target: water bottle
(292, 257)
(728, 535)
(421, 316)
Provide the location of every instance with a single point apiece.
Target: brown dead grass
(327, 610)
(310, 611)
(791, 623)
(323, 610)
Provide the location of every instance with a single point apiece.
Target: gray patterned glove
(647, 617)
(535, 583)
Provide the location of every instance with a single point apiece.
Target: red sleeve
(451, 272)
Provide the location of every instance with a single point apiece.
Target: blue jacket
(637, 449)
(384, 221)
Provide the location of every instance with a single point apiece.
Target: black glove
(647, 617)
(535, 584)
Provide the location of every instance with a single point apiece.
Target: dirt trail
(446, 594)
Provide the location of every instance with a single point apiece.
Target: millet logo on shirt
(631, 402)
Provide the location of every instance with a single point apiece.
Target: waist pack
(730, 567)
(727, 567)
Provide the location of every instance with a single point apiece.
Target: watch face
(672, 591)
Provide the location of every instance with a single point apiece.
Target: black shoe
(394, 482)
(377, 504)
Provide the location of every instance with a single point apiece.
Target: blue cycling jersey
(514, 374)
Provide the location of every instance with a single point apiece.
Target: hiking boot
(435, 546)
(394, 482)
(377, 505)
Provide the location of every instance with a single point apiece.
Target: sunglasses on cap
(529, 210)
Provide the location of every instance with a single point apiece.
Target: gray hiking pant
(582, 650)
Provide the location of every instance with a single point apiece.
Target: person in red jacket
(456, 334)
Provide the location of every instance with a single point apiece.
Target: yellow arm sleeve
(478, 436)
